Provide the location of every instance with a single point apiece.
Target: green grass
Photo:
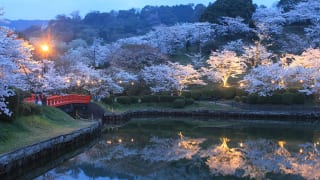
(198, 105)
(28, 130)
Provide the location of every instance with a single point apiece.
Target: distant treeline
(114, 25)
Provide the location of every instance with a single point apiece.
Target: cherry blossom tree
(170, 39)
(264, 79)
(135, 57)
(306, 12)
(236, 46)
(232, 26)
(197, 59)
(292, 43)
(304, 69)
(17, 68)
(123, 77)
(171, 77)
(159, 78)
(185, 75)
(303, 12)
(257, 54)
(313, 34)
(51, 82)
(5, 92)
(269, 21)
(223, 65)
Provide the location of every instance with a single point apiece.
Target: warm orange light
(281, 144)
(301, 150)
(241, 144)
(44, 47)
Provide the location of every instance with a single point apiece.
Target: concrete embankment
(15, 164)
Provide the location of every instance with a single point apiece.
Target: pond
(161, 148)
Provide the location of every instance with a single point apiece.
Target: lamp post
(45, 50)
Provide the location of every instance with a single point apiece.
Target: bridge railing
(60, 100)
(31, 99)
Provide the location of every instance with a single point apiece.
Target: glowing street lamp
(44, 48)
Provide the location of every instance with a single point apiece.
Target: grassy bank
(28, 130)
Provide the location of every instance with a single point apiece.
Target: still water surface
(191, 149)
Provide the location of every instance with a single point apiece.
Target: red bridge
(56, 100)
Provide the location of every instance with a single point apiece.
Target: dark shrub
(240, 92)
(263, 100)
(228, 93)
(299, 98)
(108, 100)
(124, 100)
(287, 98)
(292, 90)
(150, 99)
(168, 98)
(216, 94)
(189, 101)
(179, 103)
(237, 99)
(196, 95)
(275, 99)
(252, 99)
(134, 99)
(187, 94)
(244, 99)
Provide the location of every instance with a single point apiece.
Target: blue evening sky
(48, 9)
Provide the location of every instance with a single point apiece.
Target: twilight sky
(48, 9)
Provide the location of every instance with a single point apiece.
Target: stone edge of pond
(14, 164)
(120, 118)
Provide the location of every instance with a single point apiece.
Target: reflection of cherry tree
(224, 160)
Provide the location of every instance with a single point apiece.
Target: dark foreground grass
(31, 129)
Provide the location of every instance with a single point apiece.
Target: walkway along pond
(121, 118)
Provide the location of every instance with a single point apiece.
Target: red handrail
(57, 100)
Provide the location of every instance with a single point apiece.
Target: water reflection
(197, 157)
